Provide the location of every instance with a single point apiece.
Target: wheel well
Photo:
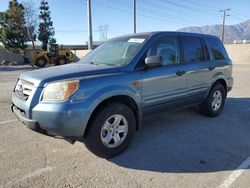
(222, 82)
(41, 57)
(61, 56)
(121, 99)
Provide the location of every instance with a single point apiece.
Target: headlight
(60, 90)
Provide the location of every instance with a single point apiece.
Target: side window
(193, 51)
(167, 48)
(205, 48)
(217, 48)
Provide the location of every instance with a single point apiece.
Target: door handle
(180, 73)
(211, 68)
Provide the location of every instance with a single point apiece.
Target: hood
(74, 70)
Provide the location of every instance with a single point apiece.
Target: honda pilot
(104, 96)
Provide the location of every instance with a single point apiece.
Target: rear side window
(193, 51)
(217, 48)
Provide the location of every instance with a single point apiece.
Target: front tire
(111, 131)
(215, 101)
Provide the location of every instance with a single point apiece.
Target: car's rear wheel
(61, 61)
(41, 62)
(111, 130)
(214, 103)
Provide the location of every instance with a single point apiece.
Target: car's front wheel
(111, 130)
(214, 103)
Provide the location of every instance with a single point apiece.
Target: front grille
(23, 89)
(21, 112)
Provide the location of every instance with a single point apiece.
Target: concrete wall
(239, 53)
(9, 57)
(78, 54)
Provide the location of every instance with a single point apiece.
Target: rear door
(199, 68)
(165, 86)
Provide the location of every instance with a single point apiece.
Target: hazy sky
(70, 16)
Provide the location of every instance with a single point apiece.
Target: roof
(166, 32)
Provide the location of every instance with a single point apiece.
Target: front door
(165, 86)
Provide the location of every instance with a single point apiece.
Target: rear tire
(41, 62)
(61, 61)
(111, 131)
(215, 101)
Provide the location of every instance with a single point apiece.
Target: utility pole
(90, 42)
(223, 22)
(134, 16)
(103, 29)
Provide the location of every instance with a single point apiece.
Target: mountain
(239, 31)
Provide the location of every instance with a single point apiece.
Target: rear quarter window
(217, 48)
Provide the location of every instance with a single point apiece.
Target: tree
(13, 34)
(1, 17)
(46, 30)
(31, 18)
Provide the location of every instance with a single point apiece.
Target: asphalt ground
(177, 149)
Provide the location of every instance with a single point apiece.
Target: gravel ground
(180, 149)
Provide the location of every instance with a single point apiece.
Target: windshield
(116, 52)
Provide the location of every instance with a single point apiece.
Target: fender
(112, 91)
(216, 76)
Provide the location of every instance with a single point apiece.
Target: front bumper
(66, 119)
(31, 124)
(21, 117)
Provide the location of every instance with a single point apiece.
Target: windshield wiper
(94, 63)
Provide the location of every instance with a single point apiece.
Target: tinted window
(167, 48)
(217, 48)
(193, 50)
(205, 48)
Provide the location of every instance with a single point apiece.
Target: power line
(156, 9)
(167, 6)
(111, 7)
(237, 18)
(169, 19)
(186, 7)
(203, 5)
(71, 31)
(239, 14)
(162, 9)
(139, 14)
(155, 18)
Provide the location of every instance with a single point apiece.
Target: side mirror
(153, 61)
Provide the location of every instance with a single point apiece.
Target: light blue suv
(105, 95)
